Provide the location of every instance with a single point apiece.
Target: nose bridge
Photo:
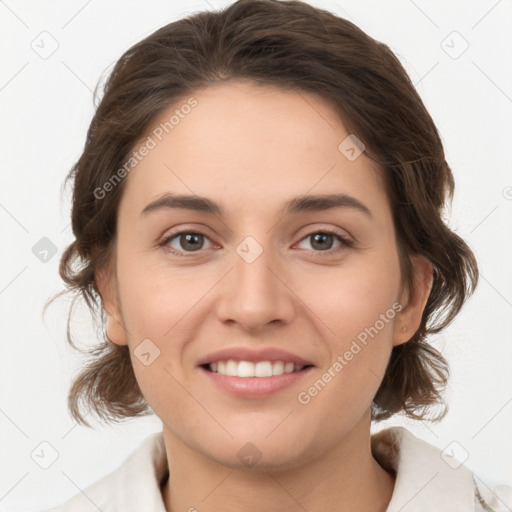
(254, 294)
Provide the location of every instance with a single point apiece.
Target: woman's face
(254, 281)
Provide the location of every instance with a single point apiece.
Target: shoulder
(494, 499)
(428, 478)
(133, 486)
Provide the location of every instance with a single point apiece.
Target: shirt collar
(424, 481)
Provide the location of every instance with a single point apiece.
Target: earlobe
(409, 318)
(114, 328)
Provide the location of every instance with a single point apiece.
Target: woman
(258, 212)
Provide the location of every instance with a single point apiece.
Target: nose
(255, 293)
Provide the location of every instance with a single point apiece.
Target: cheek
(156, 303)
(359, 350)
(353, 298)
(356, 309)
(159, 310)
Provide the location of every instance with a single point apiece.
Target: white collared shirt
(425, 481)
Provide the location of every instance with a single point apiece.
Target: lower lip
(255, 387)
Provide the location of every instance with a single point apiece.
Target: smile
(245, 369)
(254, 380)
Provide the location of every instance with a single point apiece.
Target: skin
(251, 148)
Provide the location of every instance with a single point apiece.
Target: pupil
(190, 238)
(322, 237)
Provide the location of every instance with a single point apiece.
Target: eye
(186, 241)
(322, 241)
(191, 242)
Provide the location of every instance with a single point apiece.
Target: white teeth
(232, 368)
(250, 369)
(245, 369)
(278, 368)
(288, 367)
(263, 369)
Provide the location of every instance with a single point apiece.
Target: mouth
(243, 372)
(248, 369)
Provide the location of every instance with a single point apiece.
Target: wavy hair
(292, 45)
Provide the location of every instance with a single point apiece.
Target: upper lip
(247, 354)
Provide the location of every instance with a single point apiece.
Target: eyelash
(345, 242)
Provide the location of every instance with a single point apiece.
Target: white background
(46, 107)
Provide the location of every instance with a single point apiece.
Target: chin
(255, 448)
(260, 458)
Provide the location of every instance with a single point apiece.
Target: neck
(346, 478)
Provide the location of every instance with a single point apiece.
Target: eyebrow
(305, 203)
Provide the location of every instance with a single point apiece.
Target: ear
(116, 331)
(413, 301)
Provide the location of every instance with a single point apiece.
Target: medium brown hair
(292, 45)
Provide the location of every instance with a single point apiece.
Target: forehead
(250, 146)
